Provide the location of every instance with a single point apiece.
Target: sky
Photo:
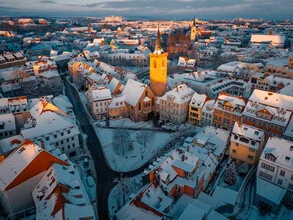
(168, 9)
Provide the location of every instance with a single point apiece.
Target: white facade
(99, 98)
(207, 114)
(174, 105)
(276, 165)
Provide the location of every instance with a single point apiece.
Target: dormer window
(270, 157)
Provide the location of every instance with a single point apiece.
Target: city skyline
(174, 9)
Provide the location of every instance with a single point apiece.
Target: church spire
(158, 48)
(193, 23)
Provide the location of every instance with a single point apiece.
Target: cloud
(48, 2)
(4, 8)
(85, 5)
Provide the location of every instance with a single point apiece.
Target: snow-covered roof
(50, 74)
(198, 100)
(45, 119)
(212, 139)
(60, 192)
(179, 94)
(209, 106)
(282, 150)
(117, 102)
(270, 191)
(231, 67)
(237, 103)
(16, 162)
(275, 39)
(7, 123)
(252, 135)
(272, 99)
(133, 91)
(99, 93)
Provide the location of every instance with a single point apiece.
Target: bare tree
(122, 141)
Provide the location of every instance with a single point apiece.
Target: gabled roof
(27, 161)
(133, 91)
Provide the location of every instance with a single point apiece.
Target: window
(280, 181)
(61, 142)
(250, 157)
(62, 133)
(251, 150)
(55, 135)
(68, 132)
(47, 138)
(290, 187)
(72, 154)
(72, 138)
(267, 167)
(68, 147)
(265, 175)
(234, 151)
(270, 157)
(63, 149)
(236, 144)
(73, 145)
(282, 173)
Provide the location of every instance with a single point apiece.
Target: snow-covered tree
(231, 174)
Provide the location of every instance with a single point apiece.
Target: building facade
(195, 106)
(227, 110)
(246, 143)
(275, 175)
(173, 106)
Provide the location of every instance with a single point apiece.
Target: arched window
(155, 64)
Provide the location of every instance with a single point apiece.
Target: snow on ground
(121, 193)
(135, 149)
(126, 123)
(254, 214)
(84, 167)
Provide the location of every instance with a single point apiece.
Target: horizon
(160, 9)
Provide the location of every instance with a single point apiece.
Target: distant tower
(89, 28)
(119, 31)
(158, 68)
(193, 31)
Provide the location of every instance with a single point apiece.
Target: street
(105, 176)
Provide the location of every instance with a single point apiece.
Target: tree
(231, 174)
(121, 138)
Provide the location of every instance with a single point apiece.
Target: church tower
(193, 31)
(158, 68)
(89, 28)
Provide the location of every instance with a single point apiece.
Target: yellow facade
(244, 153)
(158, 73)
(194, 115)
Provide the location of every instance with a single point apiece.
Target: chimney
(43, 144)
